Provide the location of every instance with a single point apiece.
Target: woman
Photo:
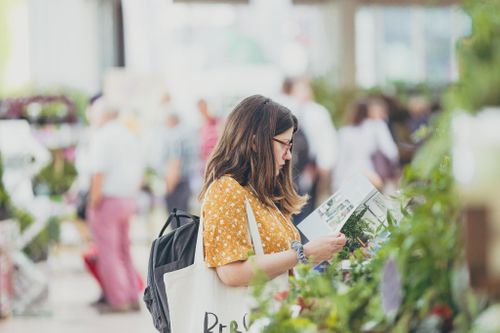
(252, 161)
(366, 135)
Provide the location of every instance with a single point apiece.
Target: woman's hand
(323, 248)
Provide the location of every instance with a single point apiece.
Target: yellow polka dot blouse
(226, 236)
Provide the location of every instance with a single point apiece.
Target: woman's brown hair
(245, 153)
(359, 112)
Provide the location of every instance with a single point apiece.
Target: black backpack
(169, 252)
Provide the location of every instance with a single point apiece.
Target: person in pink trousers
(117, 169)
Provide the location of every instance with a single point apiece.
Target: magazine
(356, 196)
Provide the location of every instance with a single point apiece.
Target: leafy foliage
(354, 230)
(479, 56)
(55, 178)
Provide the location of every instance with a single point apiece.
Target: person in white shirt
(321, 137)
(358, 142)
(117, 168)
(303, 165)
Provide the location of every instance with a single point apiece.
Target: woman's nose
(288, 155)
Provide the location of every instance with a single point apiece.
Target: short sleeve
(225, 235)
(384, 140)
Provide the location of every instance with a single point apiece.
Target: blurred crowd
(116, 163)
(378, 136)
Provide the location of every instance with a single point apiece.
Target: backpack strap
(167, 223)
(176, 214)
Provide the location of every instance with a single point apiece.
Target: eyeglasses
(288, 145)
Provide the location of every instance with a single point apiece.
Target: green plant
(38, 248)
(479, 58)
(354, 230)
(55, 178)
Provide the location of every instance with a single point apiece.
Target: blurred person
(420, 112)
(321, 136)
(359, 141)
(83, 161)
(398, 125)
(378, 109)
(302, 164)
(117, 169)
(384, 165)
(302, 160)
(177, 156)
(152, 139)
(209, 132)
(285, 96)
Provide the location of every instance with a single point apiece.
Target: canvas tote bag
(201, 303)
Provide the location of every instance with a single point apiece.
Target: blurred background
(174, 69)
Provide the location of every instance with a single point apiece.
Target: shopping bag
(199, 302)
(383, 166)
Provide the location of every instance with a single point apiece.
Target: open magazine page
(356, 196)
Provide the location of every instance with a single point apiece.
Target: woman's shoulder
(375, 123)
(348, 131)
(224, 194)
(225, 187)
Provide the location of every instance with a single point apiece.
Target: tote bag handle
(254, 230)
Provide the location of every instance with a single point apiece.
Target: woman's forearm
(241, 273)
